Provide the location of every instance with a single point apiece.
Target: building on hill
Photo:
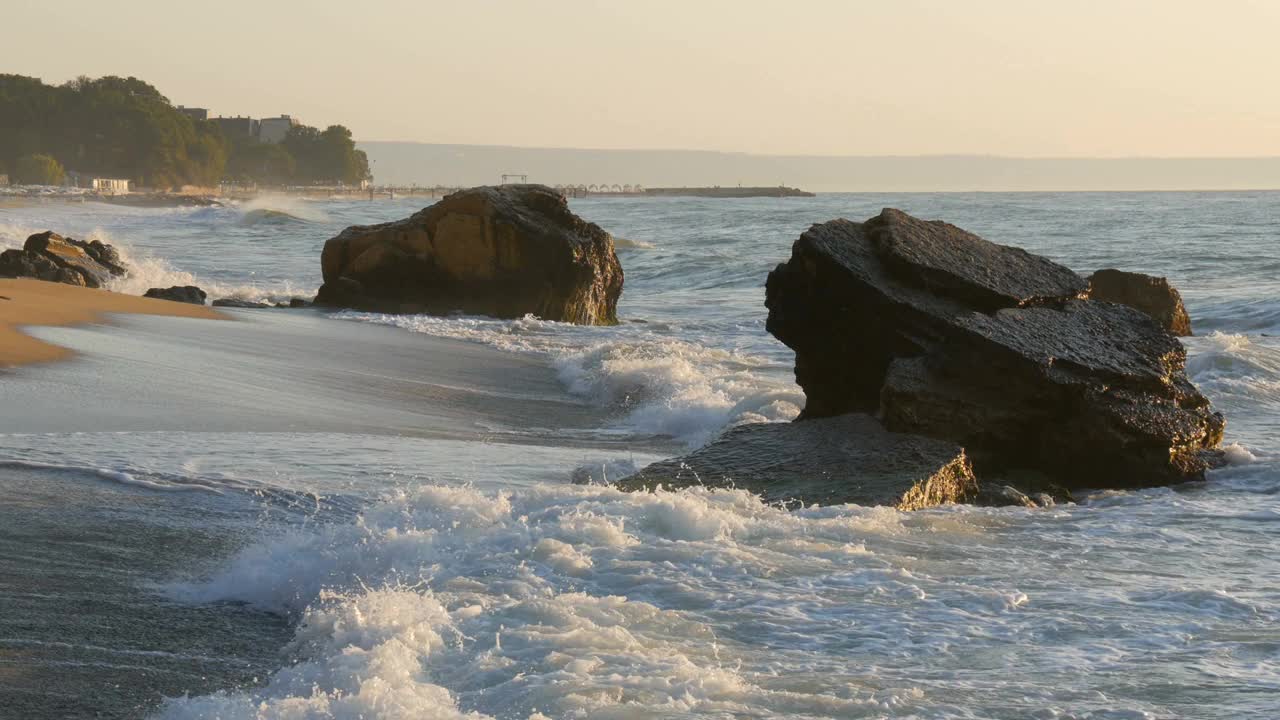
(101, 185)
(194, 113)
(111, 186)
(4, 180)
(234, 128)
(273, 130)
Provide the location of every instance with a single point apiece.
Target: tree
(326, 157)
(38, 170)
(262, 162)
(124, 127)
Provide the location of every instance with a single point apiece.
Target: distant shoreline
(398, 163)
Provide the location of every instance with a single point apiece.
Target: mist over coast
(410, 163)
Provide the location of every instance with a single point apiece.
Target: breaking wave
(446, 602)
(265, 216)
(658, 385)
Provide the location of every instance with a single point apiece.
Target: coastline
(25, 302)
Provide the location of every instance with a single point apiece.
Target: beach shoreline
(26, 302)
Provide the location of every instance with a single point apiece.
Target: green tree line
(124, 127)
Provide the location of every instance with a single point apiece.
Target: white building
(273, 130)
(111, 186)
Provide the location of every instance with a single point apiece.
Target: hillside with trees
(125, 128)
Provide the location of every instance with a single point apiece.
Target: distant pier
(715, 191)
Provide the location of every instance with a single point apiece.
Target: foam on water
(659, 384)
(444, 601)
(586, 602)
(628, 244)
(148, 271)
(279, 209)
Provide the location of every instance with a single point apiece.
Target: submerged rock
(846, 459)
(992, 495)
(1150, 294)
(237, 303)
(178, 293)
(501, 251)
(950, 336)
(52, 257)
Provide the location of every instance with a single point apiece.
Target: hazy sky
(1009, 77)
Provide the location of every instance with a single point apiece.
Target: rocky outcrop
(946, 335)
(178, 293)
(50, 256)
(501, 251)
(845, 459)
(1147, 293)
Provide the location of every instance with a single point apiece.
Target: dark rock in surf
(993, 495)
(237, 303)
(178, 293)
(947, 335)
(16, 263)
(845, 459)
(501, 251)
(52, 257)
(1147, 293)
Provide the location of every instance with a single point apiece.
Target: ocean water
(346, 515)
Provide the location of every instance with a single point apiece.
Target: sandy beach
(34, 302)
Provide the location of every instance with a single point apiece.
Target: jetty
(714, 191)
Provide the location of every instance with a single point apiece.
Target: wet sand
(26, 302)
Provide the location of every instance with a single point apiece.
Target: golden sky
(1070, 78)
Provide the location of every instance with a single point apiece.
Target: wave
(130, 476)
(279, 209)
(676, 388)
(1238, 371)
(658, 385)
(571, 601)
(265, 216)
(148, 271)
(628, 244)
(14, 236)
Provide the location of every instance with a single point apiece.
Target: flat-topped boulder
(1149, 294)
(944, 334)
(52, 257)
(958, 264)
(845, 459)
(504, 251)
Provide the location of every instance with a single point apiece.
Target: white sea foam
(660, 385)
(148, 271)
(582, 601)
(270, 209)
(628, 244)
(1237, 454)
(676, 388)
(571, 601)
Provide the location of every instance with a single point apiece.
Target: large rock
(1152, 295)
(50, 256)
(846, 459)
(947, 335)
(501, 251)
(178, 293)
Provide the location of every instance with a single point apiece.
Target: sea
(308, 514)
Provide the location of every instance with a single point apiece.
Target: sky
(1023, 78)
